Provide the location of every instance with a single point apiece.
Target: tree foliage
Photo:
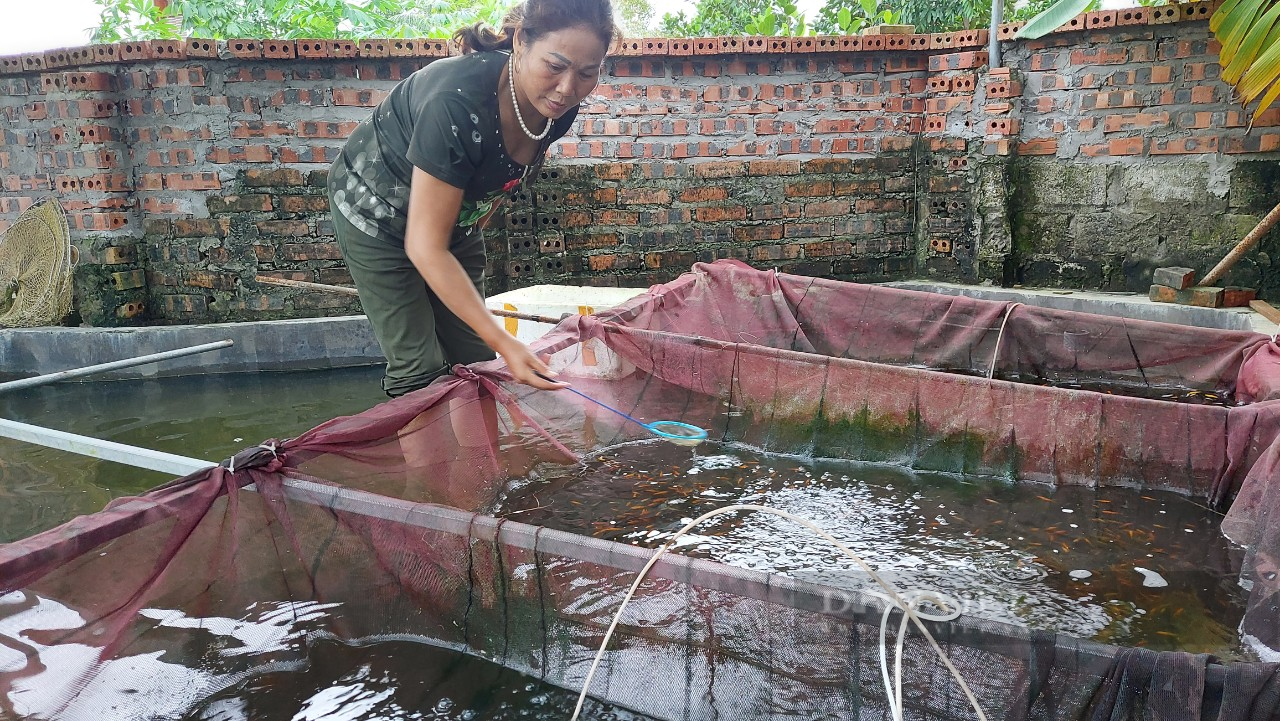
(635, 17)
(714, 17)
(168, 19)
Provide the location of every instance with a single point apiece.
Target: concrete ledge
(278, 345)
(1122, 305)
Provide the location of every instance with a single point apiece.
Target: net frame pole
(112, 365)
(104, 450)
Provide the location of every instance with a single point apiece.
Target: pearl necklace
(511, 80)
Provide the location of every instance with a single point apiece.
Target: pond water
(210, 417)
(399, 680)
(1128, 567)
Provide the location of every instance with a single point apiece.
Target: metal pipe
(1242, 247)
(344, 290)
(106, 450)
(993, 35)
(113, 365)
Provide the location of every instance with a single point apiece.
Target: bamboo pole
(344, 290)
(1242, 247)
(113, 365)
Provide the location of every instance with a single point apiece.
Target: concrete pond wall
(1093, 156)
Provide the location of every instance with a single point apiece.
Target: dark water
(1121, 566)
(398, 680)
(1134, 390)
(206, 417)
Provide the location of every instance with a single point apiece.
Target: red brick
(1184, 146)
(773, 167)
(704, 194)
(330, 130)
(1197, 296)
(244, 48)
(1117, 147)
(1038, 146)
(644, 196)
(715, 214)
(310, 251)
(192, 181)
(1118, 123)
(259, 129)
(826, 208)
(719, 169)
(1100, 56)
(958, 61)
(808, 189)
(880, 205)
(617, 217)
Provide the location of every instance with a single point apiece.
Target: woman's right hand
(526, 367)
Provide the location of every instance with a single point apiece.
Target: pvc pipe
(113, 365)
(106, 450)
(993, 35)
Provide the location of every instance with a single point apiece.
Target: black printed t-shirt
(444, 120)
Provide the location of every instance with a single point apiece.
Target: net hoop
(681, 434)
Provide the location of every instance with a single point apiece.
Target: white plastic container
(590, 358)
(554, 301)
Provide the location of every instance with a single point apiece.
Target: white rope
(896, 600)
(995, 354)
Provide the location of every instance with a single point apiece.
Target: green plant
(167, 19)
(840, 17)
(714, 17)
(785, 19)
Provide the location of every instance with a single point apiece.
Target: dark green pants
(421, 338)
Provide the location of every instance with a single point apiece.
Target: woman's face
(558, 70)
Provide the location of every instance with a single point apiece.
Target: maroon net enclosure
(376, 526)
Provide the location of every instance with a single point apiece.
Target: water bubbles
(721, 462)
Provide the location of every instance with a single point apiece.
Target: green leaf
(1266, 102)
(1260, 36)
(1053, 18)
(1261, 74)
(1215, 20)
(844, 18)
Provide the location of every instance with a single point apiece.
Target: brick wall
(1099, 152)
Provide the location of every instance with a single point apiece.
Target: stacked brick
(191, 166)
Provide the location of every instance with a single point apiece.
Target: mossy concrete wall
(1107, 226)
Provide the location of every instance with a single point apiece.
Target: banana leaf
(1235, 26)
(1054, 17)
(1249, 32)
(1259, 37)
